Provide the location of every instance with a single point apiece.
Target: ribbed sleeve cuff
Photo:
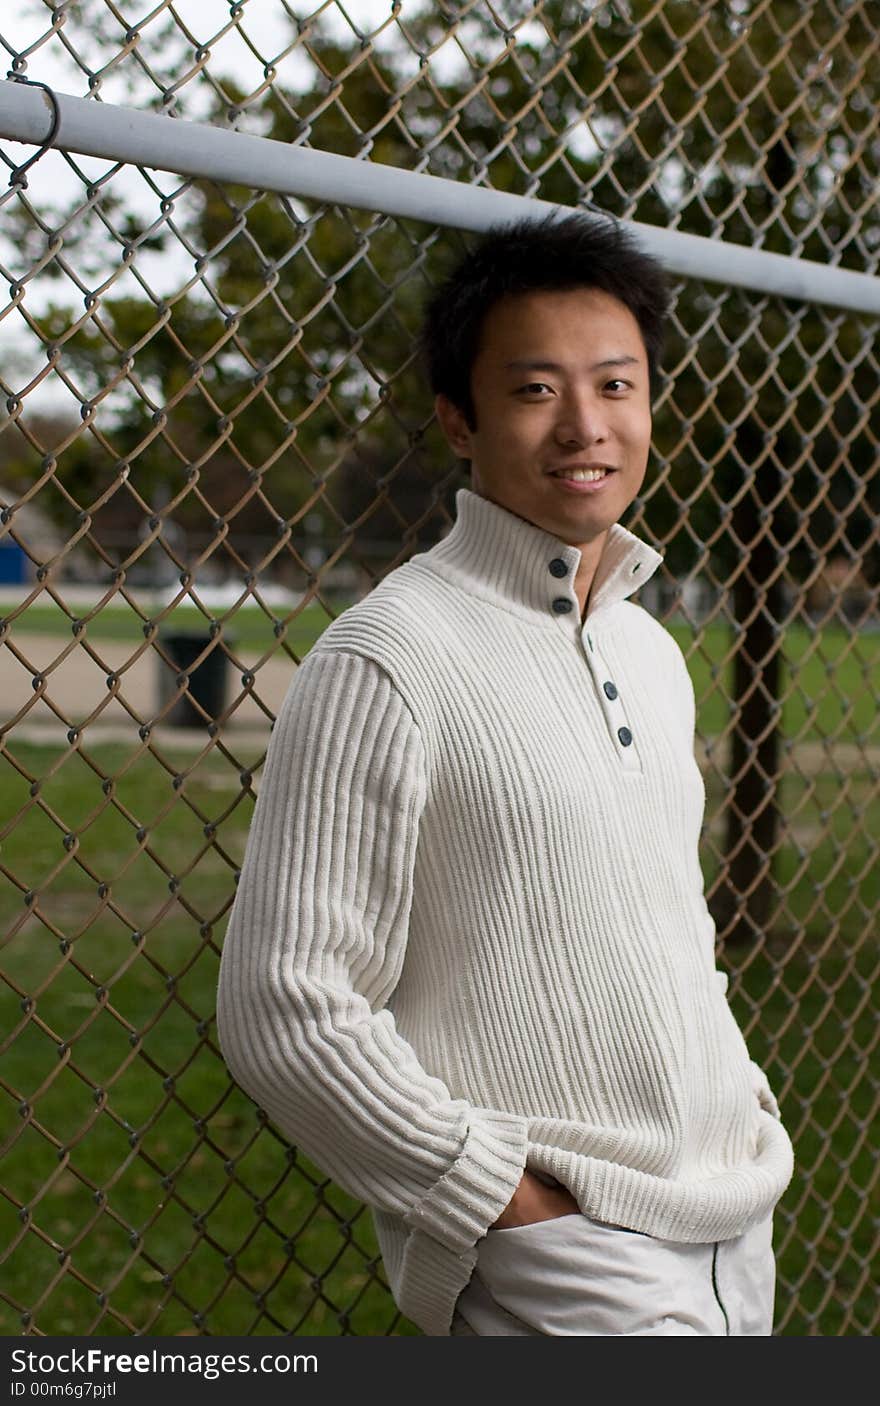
(470, 1196)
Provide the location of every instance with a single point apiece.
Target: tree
(281, 387)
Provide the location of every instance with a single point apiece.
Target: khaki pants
(573, 1276)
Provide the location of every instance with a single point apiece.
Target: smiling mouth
(593, 475)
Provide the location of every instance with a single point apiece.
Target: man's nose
(582, 420)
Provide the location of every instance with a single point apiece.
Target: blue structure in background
(13, 563)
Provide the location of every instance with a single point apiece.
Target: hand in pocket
(534, 1201)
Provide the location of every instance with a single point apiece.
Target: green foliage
(279, 384)
(282, 381)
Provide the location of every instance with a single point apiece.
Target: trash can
(207, 681)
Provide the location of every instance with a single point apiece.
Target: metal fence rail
(198, 149)
(216, 436)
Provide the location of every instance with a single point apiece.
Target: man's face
(560, 382)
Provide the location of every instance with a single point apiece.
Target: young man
(470, 968)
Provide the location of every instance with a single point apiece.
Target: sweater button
(609, 689)
(625, 736)
(562, 605)
(557, 567)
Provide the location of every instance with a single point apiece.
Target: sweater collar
(492, 553)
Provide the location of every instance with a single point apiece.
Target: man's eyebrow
(537, 365)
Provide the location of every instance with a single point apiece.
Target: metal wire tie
(18, 176)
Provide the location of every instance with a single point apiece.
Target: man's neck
(591, 553)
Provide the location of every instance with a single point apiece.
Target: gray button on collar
(625, 736)
(561, 605)
(557, 567)
(610, 690)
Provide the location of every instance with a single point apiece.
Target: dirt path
(57, 684)
(74, 691)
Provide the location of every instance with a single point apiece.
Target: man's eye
(535, 385)
(618, 385)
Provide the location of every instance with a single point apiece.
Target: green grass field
(836, 674)
(250, 627)
(156, 1198)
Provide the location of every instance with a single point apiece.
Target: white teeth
(583, 475)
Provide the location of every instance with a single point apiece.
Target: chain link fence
(216, 436)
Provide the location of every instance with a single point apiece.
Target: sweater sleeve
(315, 946)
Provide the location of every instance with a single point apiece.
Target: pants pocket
(582, 1277)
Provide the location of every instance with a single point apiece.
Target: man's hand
(533, 1201)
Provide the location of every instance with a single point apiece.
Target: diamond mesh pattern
(215, 437)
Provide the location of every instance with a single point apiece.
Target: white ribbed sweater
(470, 933)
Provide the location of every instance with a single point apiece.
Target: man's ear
(454, 426)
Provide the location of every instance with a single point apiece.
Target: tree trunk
(743, 902)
